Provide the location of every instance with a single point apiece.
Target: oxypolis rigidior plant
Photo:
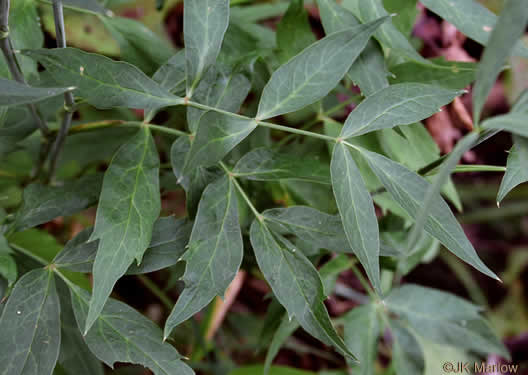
(222, 98)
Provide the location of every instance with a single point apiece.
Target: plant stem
(242, 192)
(154, 289)
(92, 126)
(69, 103)
(296, 131)
(71, 7)
(319, 118)
(364, 282)
(261, 123)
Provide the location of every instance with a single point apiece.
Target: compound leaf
(128, 207)
(215, 252)
(311, 74)
(30, 326)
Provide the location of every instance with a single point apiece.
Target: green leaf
(400, 104)
(296, 284)
(204, 25)
(388, 35)
(122, 334)
(30, 326)
(516, 168)
(14, 93)
(441, 178)
(329, 273)
(42, 203)
(75, 357)
(198, 178)
(509, 28)
(294, 32)
(442, 317)
(407, 353)
(169, 239)
(308, 76)
(471, 18)
(214, 255)
(362, 329)
(8, 268)
(128, 207)
(514, 122)
(407, 12)
(265, 164)
(320, 229)
(171, 75)
(286, 328)
(25, 32)
(357, 212)
(102, 82)
(409, 190)
(368, 71)
(217, 134)
(138, 44)
(414, 147)
(220, 88)
(453, 75)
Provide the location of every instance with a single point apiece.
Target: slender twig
(6, 46)
(69, 103)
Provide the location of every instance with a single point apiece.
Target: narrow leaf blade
(509, 28)
(14, 93)
(409, 190)
(204, 25)
(215, 252)
(471, 18)
(516, 168)
(400, 104)
(104, 83)
(357, 212)
(311, 74)
(296, 284)
(128, 207)
(30, 326)
(121, 334)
